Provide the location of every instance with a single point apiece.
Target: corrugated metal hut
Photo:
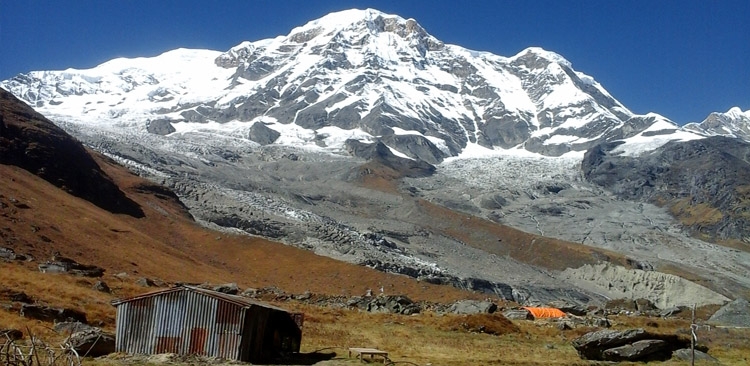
(192, 320)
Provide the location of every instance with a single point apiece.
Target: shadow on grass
(305, 358)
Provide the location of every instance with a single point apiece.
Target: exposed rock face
(704, 182)
(648, 349)
(32, 142)
(74, 268)
(662, 289)
(735, 314)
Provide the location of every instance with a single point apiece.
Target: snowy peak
(355, 74)
(733, 123)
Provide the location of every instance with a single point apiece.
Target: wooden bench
(368, 351)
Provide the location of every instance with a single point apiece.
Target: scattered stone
(92, 343)
(305, 296)
(71, 267)
(101, 286)
(600, 322)
(685, 354)
(227, 288)
(12, 334)
(71, 327)
(250, 292)
(645, 350)
(473, 307)
(45, 313)
(144, 282)
(672, 311)
(398, 304)
(734, 314)
(564, 326)
(518, 314)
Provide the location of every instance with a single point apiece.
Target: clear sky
(682, 59)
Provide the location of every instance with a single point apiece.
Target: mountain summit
(355, 74)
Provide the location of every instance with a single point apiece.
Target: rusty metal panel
(198, 337)
(188, 320)
(167, 345)
(134, 327)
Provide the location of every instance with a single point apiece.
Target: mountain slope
(361, 137)
(33, 143)
(355, 74)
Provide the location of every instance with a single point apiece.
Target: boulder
(45, 313)
(734, 314)
(592, 345)
(101, 286)
(473, 307)
(518, 314)
(91, 343)
(144, 282)
(645, 350)
(71, 267)
(685, 354)
(227, 288)
(631, 344)
(398, 304)
(71, 327)
(671, 311)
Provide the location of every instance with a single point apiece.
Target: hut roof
(234, 299)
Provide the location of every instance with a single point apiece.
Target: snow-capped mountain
(355, 74)
(733, 123)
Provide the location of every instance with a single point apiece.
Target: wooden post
(693, 337)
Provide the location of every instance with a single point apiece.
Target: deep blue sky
(682, 59)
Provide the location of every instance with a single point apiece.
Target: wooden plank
(368, 351)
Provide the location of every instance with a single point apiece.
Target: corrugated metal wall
(182, 322)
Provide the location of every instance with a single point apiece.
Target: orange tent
(545, 312)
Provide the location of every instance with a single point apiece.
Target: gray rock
(50, 314)
(672, 311)
(160, 127)
(227, 288)
(473, 307)
(71, 327)
(92, 343)
(262, 134)
(649, 349)
(591, 346)
(686, 354)
(518, 314)
(71, 267)
(397, 304)
(735, 314)
(101, 286)
(144, 282)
